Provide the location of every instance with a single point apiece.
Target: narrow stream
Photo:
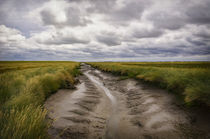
(113, 120)
(100, 85)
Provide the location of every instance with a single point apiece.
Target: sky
(105, 30)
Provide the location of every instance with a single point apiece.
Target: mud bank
(104, 107)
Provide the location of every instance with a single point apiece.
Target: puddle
(98, 71)
(114, 119)
(148, 100)
(62, 102)
(131, 85)
(79, 92)
(158, 118)
(100, 74)
(152, 108)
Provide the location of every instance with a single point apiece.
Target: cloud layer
(100, 30)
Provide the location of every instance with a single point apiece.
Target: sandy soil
(104, 107)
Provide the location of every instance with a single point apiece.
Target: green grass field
(24, 86)
(190, 80)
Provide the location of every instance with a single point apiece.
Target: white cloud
(10, 36)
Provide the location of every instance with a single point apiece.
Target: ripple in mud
(74, 132)
(78, 119)
(109, 108)
(79, 112)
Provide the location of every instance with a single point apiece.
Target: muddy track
(104, 107)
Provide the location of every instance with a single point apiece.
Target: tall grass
(23, 92)
(191, 80)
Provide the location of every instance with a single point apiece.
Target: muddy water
(61, 103)
(105, 107)
(113, 130)
(100, 85)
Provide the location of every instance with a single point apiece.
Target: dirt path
(104, 107)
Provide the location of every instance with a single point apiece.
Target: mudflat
(105, 107)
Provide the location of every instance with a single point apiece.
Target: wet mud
(105, 107)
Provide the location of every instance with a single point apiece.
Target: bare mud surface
(104, 107)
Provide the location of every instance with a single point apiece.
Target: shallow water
(113, 119)
(101, 85)
(63, 102)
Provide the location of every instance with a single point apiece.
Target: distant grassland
(191, 80)
(24, 86)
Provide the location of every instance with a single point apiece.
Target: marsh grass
(25, 123)
(190, 80)
(23, 91)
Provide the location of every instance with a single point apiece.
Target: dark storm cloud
(73, 18)
(203, 33)
(145, 33)
(130, 10)
(196, 42)
(167, 20)
(157, 51)
(22, 5)
(64, 40)
(109, 39)
(181, 13)
(173, 51)
(96, 53)
(12, 14)
(99, 6)
(199, 13)
(133, 9)
(48, 18)
(200, 51)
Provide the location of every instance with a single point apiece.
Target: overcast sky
(105, 30)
